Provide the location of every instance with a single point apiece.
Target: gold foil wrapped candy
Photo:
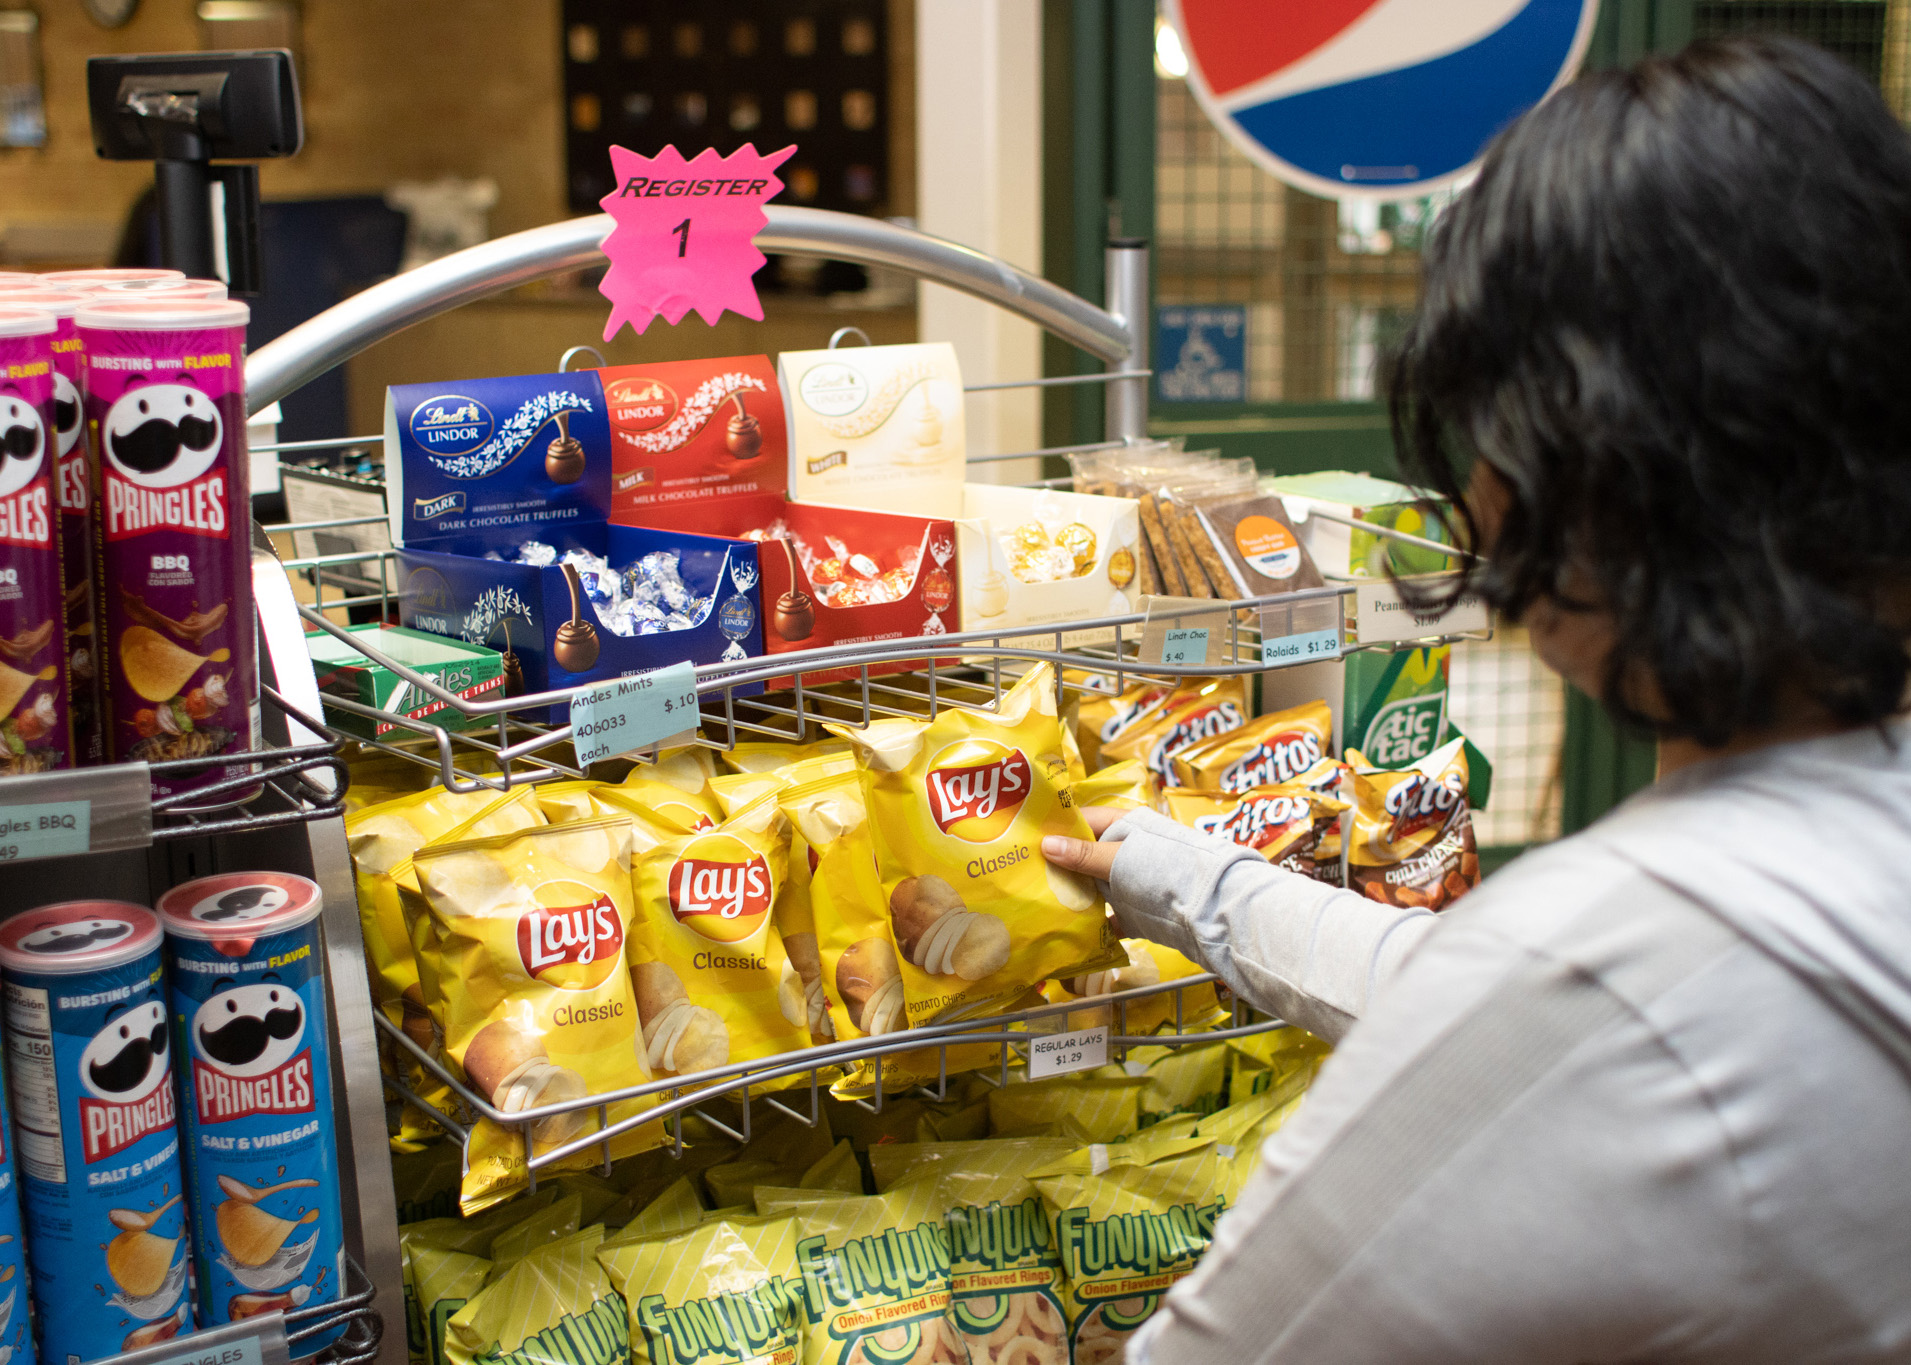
(1079, 541)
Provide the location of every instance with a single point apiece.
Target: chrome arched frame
(342, 331)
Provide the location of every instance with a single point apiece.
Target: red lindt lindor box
(682, 431)
(895, 578)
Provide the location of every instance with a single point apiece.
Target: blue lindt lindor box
(477, 455)
(481, 466)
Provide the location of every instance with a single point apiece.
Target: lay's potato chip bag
(713, 984)
(1413, 831)
(875, 1275)
(1120, 786)
(769, 758)
(554, 1306)
(1267, 751)
(1198, 711)
(725, 1292)
(687, 810)
(1129, 1220)
(531, 951)
(1104, 1107)
(958, 807)
(795, 920)
(688, 768)
(1149, 964)
(1291, 826)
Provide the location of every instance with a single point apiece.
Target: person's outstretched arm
(1308, 953)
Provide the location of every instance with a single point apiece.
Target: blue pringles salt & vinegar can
(16, 1343)
(248, 997)
(90, 1066)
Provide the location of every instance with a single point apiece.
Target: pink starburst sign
(684, 234)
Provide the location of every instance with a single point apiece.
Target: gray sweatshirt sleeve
(1308, 953)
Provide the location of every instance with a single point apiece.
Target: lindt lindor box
(1038, 557)
(684, 431)
(875, 426)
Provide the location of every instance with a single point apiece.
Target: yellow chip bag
(958, 807)
(1149, 964)
(438, 1283)
(530, 947)
(676, 1209)
(769, 758)
(1106, 1108)
(1102, 718)
(688, 769)
(725, 1292)
(733, 791)
(661, 800)
(1199, 710)
(556, 1306)
(712, 981)
(1413, 832)
(1262, 1061)
(875, 1275)
(795, 921)
(1129, 1220)
(1267, 751)
(1185, 1080)
(1121, 786)
(1290, 826)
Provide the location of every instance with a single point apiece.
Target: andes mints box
(472, 671)
(685, 431)
(524, 452)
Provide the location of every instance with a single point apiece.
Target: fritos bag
(1269, 750)
(1102, 718)
(723, 1292)
(712, 982)
(875, 1275)
(1122, 786)
(958, 807)
(860, 976)
(1005, 1276)
(1129, 1221)
(1199, 710)
(555, 1306)
(1413, 833)
(1290, 826)
(530, 947)
(1148, 964)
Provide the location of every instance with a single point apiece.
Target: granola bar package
(875, 1273)
(725, 1291)
(1413, 832)
(712, 981)
(1128, 1220)
(530, 951)
(1271, 749)
(1291, 826)
(553, 1306)
(1200, 710)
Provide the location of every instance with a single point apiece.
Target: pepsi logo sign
(1375, 98)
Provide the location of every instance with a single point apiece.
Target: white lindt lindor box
(875, 426)
(998, 555)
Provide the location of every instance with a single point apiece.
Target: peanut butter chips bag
(958, 807)
(1413, 833)
(713, 984)
(530, 956)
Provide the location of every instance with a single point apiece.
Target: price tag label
(1385, 618)
(1185, 646)
(1057, 1054)
(685, 234)
(629, 714)
(1310, 647)
(45, 829)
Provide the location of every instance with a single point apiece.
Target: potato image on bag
(713, 983)
(958, 807)
(869, 980)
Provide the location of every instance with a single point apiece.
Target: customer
(1645, 1095)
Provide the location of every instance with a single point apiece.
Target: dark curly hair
(1673, 314)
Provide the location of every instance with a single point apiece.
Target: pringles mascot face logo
(66, 412)
(249, 1030)
(128, 1059)
(572, 938)
(56, 940)
(242, 904)
(22, 445)
(975, 787)
(162, 435)
(721, 888)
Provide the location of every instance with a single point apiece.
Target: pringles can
(162, 289)
(165, 411)
(36, 714)
(92, 279)
(248, 1000)
(16, 1340)
(72, 489)
(89, 1060)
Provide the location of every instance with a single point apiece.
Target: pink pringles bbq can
(161, 289)
(165, 413)
(72, 490)
(36, 715)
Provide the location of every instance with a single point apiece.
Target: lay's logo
(721, 888)
(573, 938)
(1419, 802)
(975, 789)
(1281, 758)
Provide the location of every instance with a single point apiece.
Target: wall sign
(1375, 98)
(1201, 353)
